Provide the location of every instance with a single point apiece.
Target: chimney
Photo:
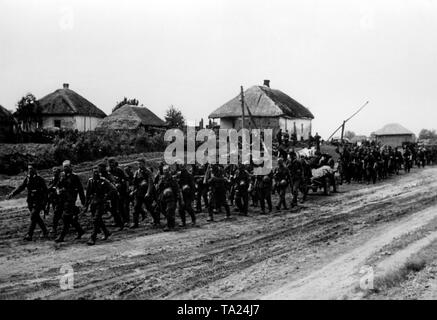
(267, 83)
(65, 85)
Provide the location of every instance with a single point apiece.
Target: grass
(397, 277)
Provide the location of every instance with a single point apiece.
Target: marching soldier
(263, 187)
(70, 187)
(98, 191)
(282, 180)
(217, 184)
(113, 197)
(36, 200)
(169, 195)
(186, 183)
(121, 185)
(242, 180)
(297, 176)
(143, 194)
(54, 199)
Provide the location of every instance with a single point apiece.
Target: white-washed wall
(303, 126)
(81, 123)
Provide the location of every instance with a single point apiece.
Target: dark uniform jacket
(36, 190)
(165, 183)
(70, 187)
(143, 182)
(98, 190)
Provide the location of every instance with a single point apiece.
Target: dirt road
(315, 251)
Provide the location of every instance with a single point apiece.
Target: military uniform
(70, 187)
(263, 187)
(217, 185)
(36, 201)
(97, 192)
(143, 194)
(121, 184)
(114, 196)
(296, 171)
(186, 183)
(242, 180)
(54, 200)
(168, 196)
(282, 179)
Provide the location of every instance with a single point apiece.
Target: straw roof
(393, 129)
(6, 117)
(129, 117)
(67, 102)
(263, 102)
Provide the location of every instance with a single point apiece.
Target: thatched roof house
(64, 108)
(394, 135)
(270, 108)
(130, 117)
(7, 123)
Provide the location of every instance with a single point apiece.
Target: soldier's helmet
(167, 193)
(266, 179)
(283, 183)
(186, 189)
(280, 161)
(56, 170)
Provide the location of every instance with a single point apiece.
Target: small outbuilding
(394, 135)
(130, 117)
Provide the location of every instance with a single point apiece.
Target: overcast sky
(331, 56)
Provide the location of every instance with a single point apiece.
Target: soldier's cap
(56, 169)
(112, 159)
(96, 167)
(66, 163)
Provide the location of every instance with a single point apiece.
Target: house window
(57, 123)
(301, 128)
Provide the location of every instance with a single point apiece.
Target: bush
(82, 146)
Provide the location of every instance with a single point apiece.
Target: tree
(349, 134)
(174, 118)
(428, 134)
(125, 100)
(28, 111)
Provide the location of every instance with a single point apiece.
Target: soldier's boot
(45, 232)
(193, 219)
(60, 238)
(183, 223)
(80, 233)
(27, 237)
(134, 225)
(106, 234)
(92, 240)
(210, 216)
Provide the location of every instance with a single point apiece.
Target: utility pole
(242, 107)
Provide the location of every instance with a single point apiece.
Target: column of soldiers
(372, 163)
(190, 189)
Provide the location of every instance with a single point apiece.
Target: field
(314, 251)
